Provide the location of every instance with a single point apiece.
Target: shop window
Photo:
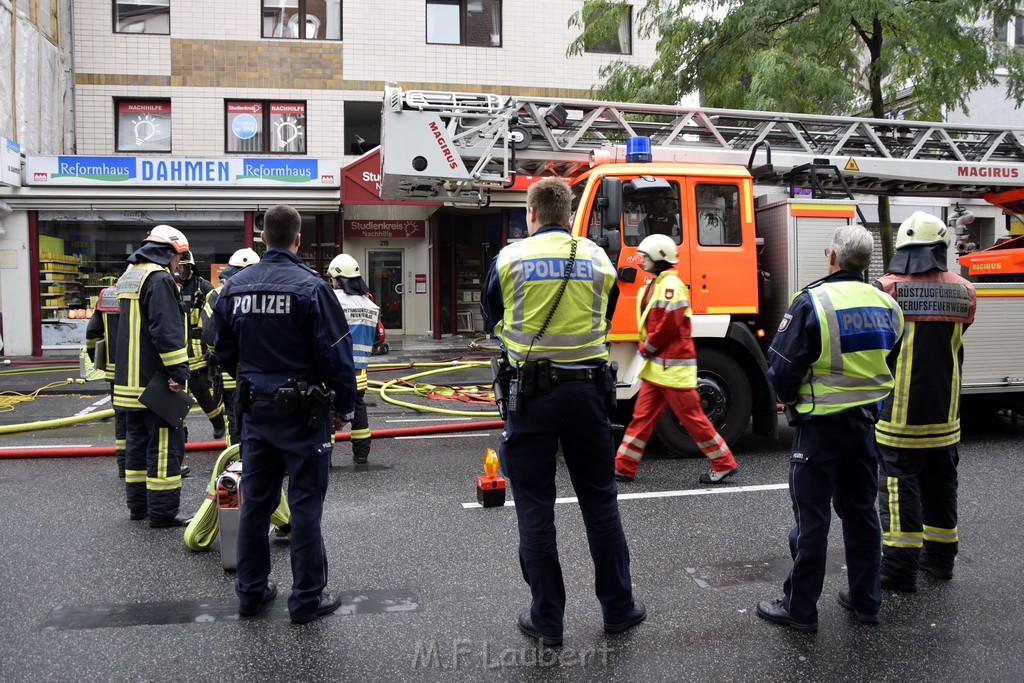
(143, 125)
(302, 19)
(611, 27)
(142, 16)
(265, 127)
(476, 23)
(718, 215)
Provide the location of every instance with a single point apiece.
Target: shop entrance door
(384, 269)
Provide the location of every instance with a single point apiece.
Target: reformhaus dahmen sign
(180, 171)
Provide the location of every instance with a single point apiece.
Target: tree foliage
(918, 57)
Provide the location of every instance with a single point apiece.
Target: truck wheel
(725, 396)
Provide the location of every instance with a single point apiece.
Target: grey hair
(852, 245)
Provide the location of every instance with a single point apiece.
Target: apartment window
(265, 127)
(612, 28)
(143, 125)
(476, 23)
(142, 16)
(302, 19)
(1011, 32)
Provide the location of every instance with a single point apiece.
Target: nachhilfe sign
(10, 163)
(385, 229)
(236, 172)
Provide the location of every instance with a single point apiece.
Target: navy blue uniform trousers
(573, 413)
(834, 460)
(272, 445)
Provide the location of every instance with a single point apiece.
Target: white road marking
(450, 435)
(667, 494)
(94, 406)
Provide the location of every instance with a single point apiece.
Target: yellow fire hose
(203, 528)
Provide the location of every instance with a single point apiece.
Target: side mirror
(627, 274)
(609, 199)
(611, 242)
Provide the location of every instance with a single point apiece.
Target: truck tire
(727, 400)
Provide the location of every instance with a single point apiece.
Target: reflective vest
(924, 409)
(531, 273)
(858, 325)
(663, 317)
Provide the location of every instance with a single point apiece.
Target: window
(142, 16)
(265, 127)
(476, 23)
(143, 125)
(718, 215)
(302, 19)
(1011, 32)
(610, 28)
(650, 209)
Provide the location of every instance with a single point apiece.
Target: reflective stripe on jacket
(664, 319)
(531, 273)
(858, 325)
(361, 314)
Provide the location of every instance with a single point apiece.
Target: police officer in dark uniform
(151, 341)
(829, 365)
(547, 299)
(282, 333)
(103, 326)
(194, 290)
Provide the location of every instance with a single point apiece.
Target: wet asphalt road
(432, 587)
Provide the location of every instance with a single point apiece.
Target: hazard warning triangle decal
(851, 165)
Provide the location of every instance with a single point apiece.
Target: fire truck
(752, 198)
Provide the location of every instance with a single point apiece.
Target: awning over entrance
(360, 183)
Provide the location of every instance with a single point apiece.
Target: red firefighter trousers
(685, 405)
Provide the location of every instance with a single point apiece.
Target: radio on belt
(490, 488)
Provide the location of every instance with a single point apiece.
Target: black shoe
(219, 430)
(863, 617)
(186, 471)
(898, 583)
(527, 627)
(938, 572)
(623, 477)
(269, 593)
(772, 610)
(167, 522)
(138, 515)
(329, 602)
(635, 616)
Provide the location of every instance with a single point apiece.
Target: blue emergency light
(638, 149)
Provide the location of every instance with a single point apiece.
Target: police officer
(361, 314)
(151, 341)
(194, 290)
(829, 366)
(103, 326)
(282, 332)
(919, 428)
(546, 298)
(240, 259)
(669, 371)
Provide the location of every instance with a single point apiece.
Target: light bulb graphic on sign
(287, 130)
(145, 129)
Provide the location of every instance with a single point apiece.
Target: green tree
(922, 57)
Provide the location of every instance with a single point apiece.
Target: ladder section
(496, 137)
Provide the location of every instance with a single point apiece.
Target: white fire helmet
(243, 257)
(660, 248)
(920, 229)
(343, 265)
(165, 234)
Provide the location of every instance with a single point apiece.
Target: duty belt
(257, 396)
(573, 374)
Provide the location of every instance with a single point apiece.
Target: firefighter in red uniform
(669, 372)
(919, 428)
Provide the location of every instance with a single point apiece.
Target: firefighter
(547, 299)
(151, 341)
(282, 333)
(830, 366)
(669, 371)
(103, 326)
(239, 260)
(361, 314)
(194, 290)
(919, 429)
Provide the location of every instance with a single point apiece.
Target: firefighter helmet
(165, 234)
(921, 229)
(243, 257)
(660, 248)
(343, 265)
(188, 258)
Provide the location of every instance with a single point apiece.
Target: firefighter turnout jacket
(361, 314)
(209, 334)
(924, 410)
(664, 317)
(539, 265)
(103, 325)
(193, 297)
(150, 332)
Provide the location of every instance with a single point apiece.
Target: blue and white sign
(174, 171)
(10, 163)
(244, 126)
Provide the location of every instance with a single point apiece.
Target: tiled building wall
(215, 52)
